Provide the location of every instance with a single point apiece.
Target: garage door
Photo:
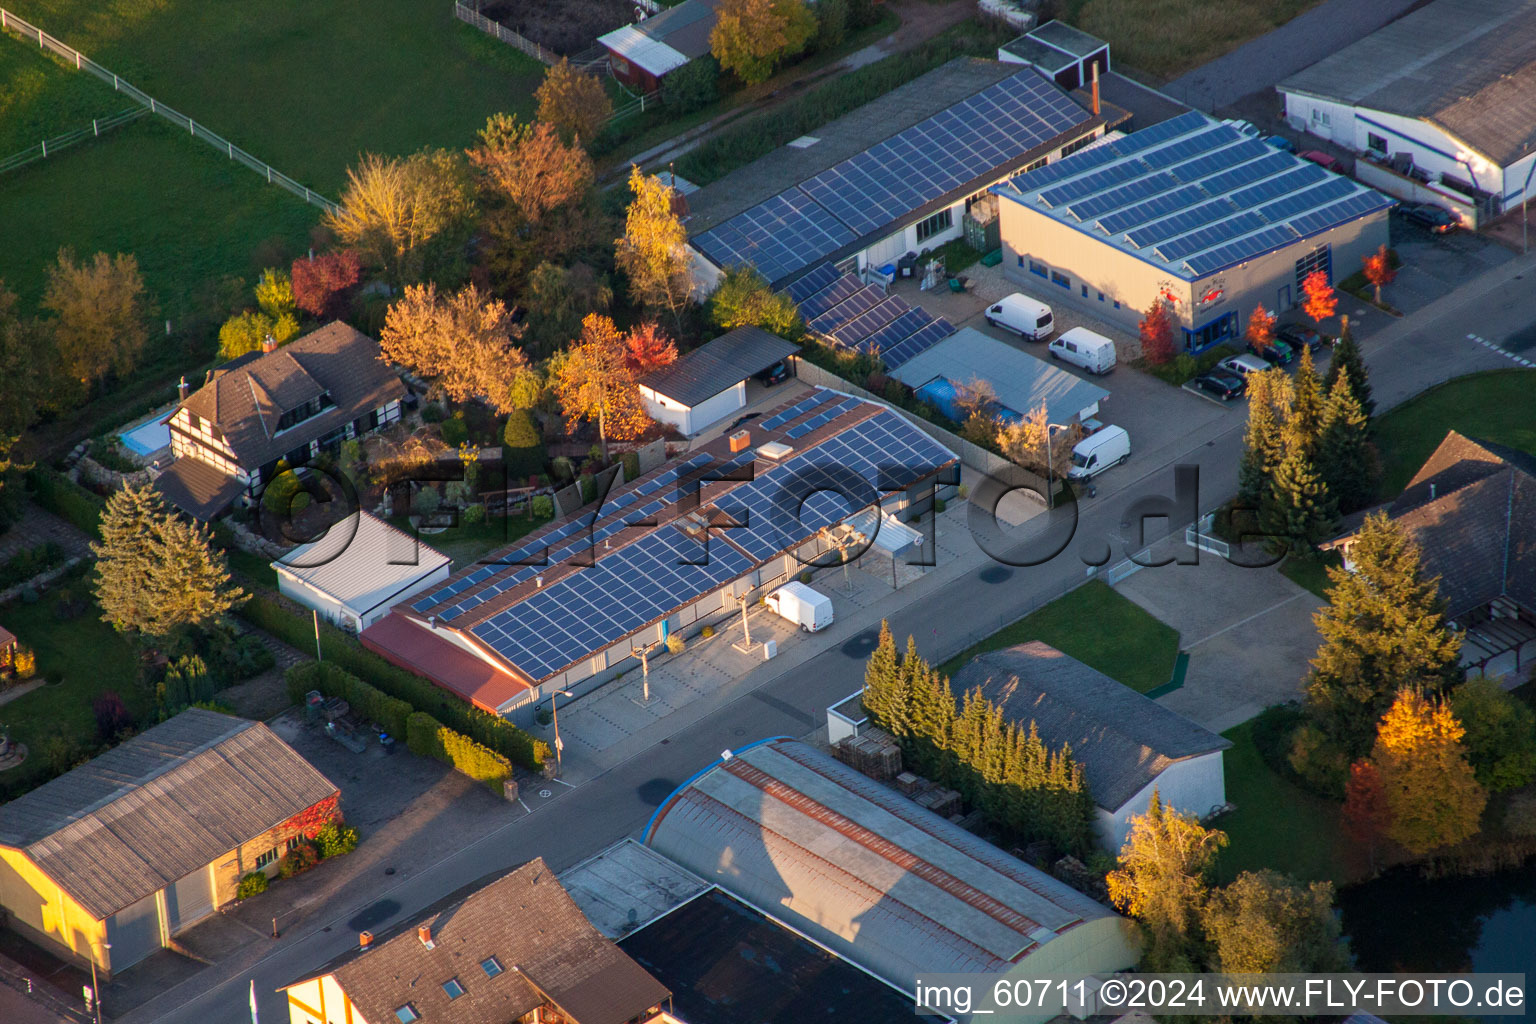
(134, 933)
(188, 900)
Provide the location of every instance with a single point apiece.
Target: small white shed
(360, 569)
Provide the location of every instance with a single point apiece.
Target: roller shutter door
(188, 900)
(134, 933)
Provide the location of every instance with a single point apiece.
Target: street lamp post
(554, 706)
(95, 988)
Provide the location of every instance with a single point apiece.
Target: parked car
(1243, 365)
(1224, 384)
(1297, 335)
(776, 373)
(1323, 160)
(1280, 142)
(1276, 353)
(1026, 317)
(1098, 452)
(1435, 218)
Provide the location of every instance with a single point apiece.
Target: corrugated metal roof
(1021, 381)
(719, 365)
(362, 561)
(641, 50)
(884, 881)
(167, 802)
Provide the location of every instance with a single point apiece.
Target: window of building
(407, 1014)
(1037, 268)
(1057, 277)
(1320, 258)
(1376, 142)
(941, 221)
(491, 966)
(1034, 166)
(294, 842)
(1085, 291)
(453, 988)
(270, 857)
(1321, 117)
(194, 420)
(1211, 333)
(1077, 144)
(313, 407)
(1117, 303)
(1101, 296)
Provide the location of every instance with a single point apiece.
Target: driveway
(1433, 265)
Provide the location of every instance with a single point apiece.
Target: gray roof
(530, 925)
(627, 885)
(1467, 66)
(362, 562)
(1122, 739)
(1062, 36)
(246, 397)
(864, 870)
(685, 27)
(719, 365)
(1046, 58)
(1021, 381)
(197, 488)
(165, 803)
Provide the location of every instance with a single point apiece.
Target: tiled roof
(197, 488)
(719, 365)
(1122, 739)
(245, 398)
(159, 806)
(536, 933)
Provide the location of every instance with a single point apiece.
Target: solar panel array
(652, 576)
(862, 318)
(873, 190)
(1197, 195)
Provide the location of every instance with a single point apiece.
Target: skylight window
(491, 966)
(453, 988)
(407, 1014)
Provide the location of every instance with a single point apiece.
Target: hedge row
(428, 737)
(369, 702)
(66, 499)
(265, 611)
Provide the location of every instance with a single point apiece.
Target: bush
(25, 663)
(455, 430)
(249, 657)
(525, 447)
(676, 644)
(631, 461)
(252, 884)
(432, 413)
(938, 505)
(428, 737)
(106, 454)
(693, 86)
(30, 562)
(474, 515)
(542, 506)
(832, 23)
(805, 577)
(335, 838)
(66, 499)
(373, 704)
(298, 860)
(707, 632)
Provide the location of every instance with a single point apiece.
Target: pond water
(1401, 922)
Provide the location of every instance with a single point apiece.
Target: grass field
(1494, 406)
(1125, 642)
(1169, 37)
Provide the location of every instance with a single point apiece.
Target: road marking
(1502, 351)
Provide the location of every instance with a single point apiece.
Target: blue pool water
(148, 436)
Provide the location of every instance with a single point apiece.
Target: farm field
(1170, 37)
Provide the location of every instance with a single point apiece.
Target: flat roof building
(680, 547)
(1189, 208)
(874, 877)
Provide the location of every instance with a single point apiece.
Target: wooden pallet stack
(874, 753)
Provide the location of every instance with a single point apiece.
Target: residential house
(141, 843)
(1127, 744)
(513, 949)
(281, 405)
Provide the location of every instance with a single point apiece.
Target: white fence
(470, 16)
(48, 147)
(32, 33)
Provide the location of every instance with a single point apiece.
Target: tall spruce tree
(1263, 443)
(1383, 628)
(1345, 458)
(1346, 356)
(881, 682)
(1298, 511)
(1306, 416)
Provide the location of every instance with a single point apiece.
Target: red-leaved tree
(648, 348)
(1378, 270)
(322, 286)
(1321, 299)
(1261, 328)
(1366, 814)
(1156, 329)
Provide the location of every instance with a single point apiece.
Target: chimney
(539, 582)
(741, 440)
(431, 621)
(424, 933)
(269, 344)
(183, 389)
(364, 939)
(1431, 490)
(1095, 67)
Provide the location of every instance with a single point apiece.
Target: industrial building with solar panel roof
(1194, 206)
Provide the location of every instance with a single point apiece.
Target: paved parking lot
(1434, 265)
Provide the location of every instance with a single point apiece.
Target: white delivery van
(1023, 315)
(798, 603)
(1081, 347)
(1099, 451)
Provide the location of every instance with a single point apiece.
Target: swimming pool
(147, 436)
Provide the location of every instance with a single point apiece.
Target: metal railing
(48, 147)
(28, 31)
(470, 16)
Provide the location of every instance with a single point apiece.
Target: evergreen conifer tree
(1263, 444)
(1346, 356)
(126, 556)
(1345, 457)
(1306, 416)
(881, 677)
(1299, 510)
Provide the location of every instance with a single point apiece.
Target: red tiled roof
(416, 649)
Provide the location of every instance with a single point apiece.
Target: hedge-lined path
(39, 526)
(264, 696)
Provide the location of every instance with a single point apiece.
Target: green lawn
(1276, 824)
(1169, 37)
(86, 657)
(1494, 406)
(1311, 573)
(1126, 643)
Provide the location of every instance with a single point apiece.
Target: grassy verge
(1310, 572)
(1126, 643)
(1185, 367)
(1276, 824)
(1170, 37)
(1493, 406)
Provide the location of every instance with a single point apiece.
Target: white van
(806, 608)
(1081, 347)
(1099, 451)
(1023, 315)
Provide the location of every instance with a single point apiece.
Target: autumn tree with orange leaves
(648, 348)
(1156, 328)
(1261, 328)
(592, 380)
(1378, 270)
(467, 341)
(1430, 788)
(1321, 299)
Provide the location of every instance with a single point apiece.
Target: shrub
(805, 577)
(111, 715)
(432, 413)
(542, 506)
(251, 884)
(455, 430)
(298, 860)
(428, 737)
(676, 644)
(30, 562)
(938, 505)
(335, 838)
(66, 499)
(25, 663)
(707, 632)
(693, 86)
(474, 515)
(248, 657)
(631, 461)
(374, 704)
(525, 447)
